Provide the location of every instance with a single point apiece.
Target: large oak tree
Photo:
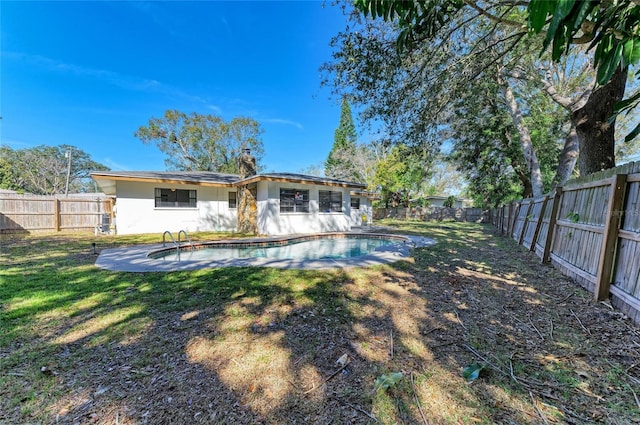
(197, 142)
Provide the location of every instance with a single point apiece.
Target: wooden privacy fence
(49, 213)
(588, 229)
(476, 215)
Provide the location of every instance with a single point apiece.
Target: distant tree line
(42, 170)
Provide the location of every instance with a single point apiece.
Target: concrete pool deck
(136, 259)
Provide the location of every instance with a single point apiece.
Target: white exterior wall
(272, 222)
(136, 211)
(365, 209)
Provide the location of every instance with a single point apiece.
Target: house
(438, 201)
(271, 203)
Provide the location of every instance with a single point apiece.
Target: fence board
(42, 213)
(520, 220)
(626, 275)
(534, 221)
(591, 232)
(550, 220)
(606, 261)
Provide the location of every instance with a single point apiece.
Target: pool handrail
(186, 236)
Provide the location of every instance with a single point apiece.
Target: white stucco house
(153, 202)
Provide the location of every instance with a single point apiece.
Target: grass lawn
(258, 345)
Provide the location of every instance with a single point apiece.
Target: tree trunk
(596, 134)
(530, 157)
(568, 158)
(527, 190)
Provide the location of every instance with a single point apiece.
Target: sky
(88, 74)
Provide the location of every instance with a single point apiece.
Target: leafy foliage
(486, 148)
(339, 164)
(43, 170)
(419, 92)
(401, 174)
(197, 142)
(385, 381)
(612, 30)
(449, 202)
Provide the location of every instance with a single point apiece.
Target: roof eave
(299, 180)
(98, 176)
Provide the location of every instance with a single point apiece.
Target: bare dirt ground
(259, 346)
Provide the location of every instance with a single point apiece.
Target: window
(294, 200)
(233, 199)
(330, 201)
(355, 203)
(175, 198)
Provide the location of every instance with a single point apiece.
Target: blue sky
(89, 74)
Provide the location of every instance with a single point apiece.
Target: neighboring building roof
(446, 197)
(107, 179)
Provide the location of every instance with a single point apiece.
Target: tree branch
(493, 17)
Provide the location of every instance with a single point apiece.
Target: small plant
(573, 216)
(385, 381)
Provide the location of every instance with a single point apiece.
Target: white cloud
(123, 81)
(283, 121)
(115, 166)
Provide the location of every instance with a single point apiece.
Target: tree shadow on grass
(252, 345)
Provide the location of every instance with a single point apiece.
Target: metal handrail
(186, 237)
(166, 232)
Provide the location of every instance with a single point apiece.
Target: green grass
(117, 344)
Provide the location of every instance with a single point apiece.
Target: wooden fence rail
(589, 230)
(49, 213)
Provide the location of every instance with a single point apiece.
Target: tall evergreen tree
(339, 164)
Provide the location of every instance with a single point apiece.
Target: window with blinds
(330, 201)
(175, 198)
(294, 200)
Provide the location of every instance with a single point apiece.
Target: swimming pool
(142, 258)
(317, 247)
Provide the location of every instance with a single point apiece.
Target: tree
(428, 21)
(419, 92)
(401, 174)
(197, 142)
(445, 179)
(338, 164)
(42, 170)
(486, 149)
(8, 177)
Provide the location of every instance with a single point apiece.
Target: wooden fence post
(557, 197)
(526, 220)
(610, 236)
(536, 232)
(56, 214)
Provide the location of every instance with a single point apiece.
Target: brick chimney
(247, 195)
(246, 164)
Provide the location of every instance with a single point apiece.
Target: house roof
(301, 178)
(107, 179)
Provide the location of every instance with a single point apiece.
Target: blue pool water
(306, 250)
